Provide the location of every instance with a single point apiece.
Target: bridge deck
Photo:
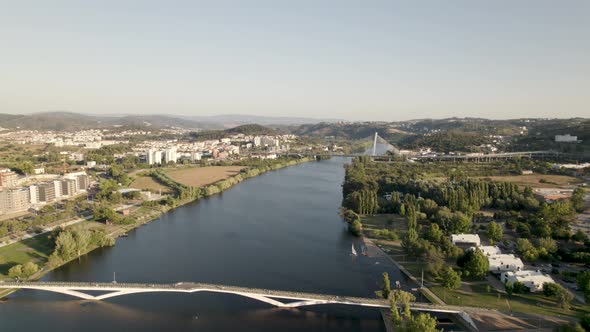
(303, 298)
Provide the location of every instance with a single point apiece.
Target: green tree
(583, 282)
(434, 233)
(550, 289)
(421, 323)
(450, 279)
(29, 269)
(578, 199)
(563, 297)
(385, 286)
(494, 232)
(474, 263)
(16, 271)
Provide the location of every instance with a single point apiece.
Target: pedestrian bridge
(282, 299)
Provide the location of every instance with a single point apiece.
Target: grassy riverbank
(38, 249)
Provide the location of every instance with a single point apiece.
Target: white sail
(353, 251)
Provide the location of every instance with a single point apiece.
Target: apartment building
(46, 192)
(8, 178)
(14, 200)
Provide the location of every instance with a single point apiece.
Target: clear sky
(359, 60)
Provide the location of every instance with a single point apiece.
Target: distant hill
(232, 120)
(350, 130)
(249, 129)
(66, 121)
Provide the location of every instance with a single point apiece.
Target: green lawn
(534, 303)
(36, 249)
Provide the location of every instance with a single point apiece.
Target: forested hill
(248, 129)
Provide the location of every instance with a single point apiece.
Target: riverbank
(148, 214)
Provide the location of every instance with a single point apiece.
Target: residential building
(503, 262)
(170, 155)
(83, 181)
(14, 200)
(466, 240)
(33, 194)
(46, 192)
(69, 187)
(57, 188)
(91, 164)
(534, 280)
(8, 178)
(39, 170)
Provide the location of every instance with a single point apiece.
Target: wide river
(280, 230)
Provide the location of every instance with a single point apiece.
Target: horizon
(332, 60)
(285, 117)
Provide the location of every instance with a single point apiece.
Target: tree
(434, 233)
(550, 289)
(355, 227)
(450, 279)
(474, 263)
(583, 282)
(409, 241)
(578, 199)
(385, 286)
(494, 232)
(421, 323)
(563, 297)
(16, 271)
(29, 269)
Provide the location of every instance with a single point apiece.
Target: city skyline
(335, 60)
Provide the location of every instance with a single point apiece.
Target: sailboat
(353, 253)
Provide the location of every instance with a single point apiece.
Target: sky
(354, 60)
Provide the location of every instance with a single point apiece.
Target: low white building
(503, 263)
(567, 138)
(466, 240)
(489, 250)
(534, 280)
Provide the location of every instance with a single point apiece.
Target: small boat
(353, 253)
(124, 235)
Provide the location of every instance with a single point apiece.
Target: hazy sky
(361, 60)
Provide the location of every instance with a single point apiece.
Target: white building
(489, 250)
(503, 262)
(39, 170)
(91, 164)
(534, 280)
(170, 155)
(33, 194)
(567, 138)
(466, 240)
(57, 186)
(196, 156)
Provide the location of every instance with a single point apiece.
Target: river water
(280, 230)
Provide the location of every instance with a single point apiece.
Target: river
(280, 230)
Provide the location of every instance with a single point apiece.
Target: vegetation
(474, 264)
(75, 241)
(405, 321)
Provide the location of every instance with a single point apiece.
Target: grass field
(202, 176)
(35, 249)
(533, 180)
(148, 183)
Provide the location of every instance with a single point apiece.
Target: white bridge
(282, 299)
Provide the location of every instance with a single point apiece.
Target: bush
(550, 289)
